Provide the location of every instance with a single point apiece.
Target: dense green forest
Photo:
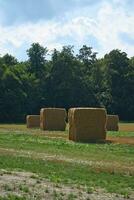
(64, 79)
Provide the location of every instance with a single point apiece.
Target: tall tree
(118, 68)
(99, 77)
(9, 60)
(87, 56)
(67, 81)
(37, 59)
(12, 99)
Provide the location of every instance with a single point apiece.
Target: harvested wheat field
(37, 164)
(126, 127)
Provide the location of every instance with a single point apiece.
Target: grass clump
(12, 197)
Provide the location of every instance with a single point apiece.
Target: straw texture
(87, 124)
(53, 119)
(33, 121)
(112, 123)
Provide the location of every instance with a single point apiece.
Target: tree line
(64, 79)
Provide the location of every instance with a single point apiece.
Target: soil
(30, 186)
(128, 127)
(121, 140)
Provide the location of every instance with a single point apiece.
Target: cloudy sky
(102, 24)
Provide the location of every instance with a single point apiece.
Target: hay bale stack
(33, 121)
(112, 123)
(53, 119)
(87, 124)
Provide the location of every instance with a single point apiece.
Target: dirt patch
(121, 140)
(126, 127)
(31, 186)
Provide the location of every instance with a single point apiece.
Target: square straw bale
(33, 121)
(87, 124)
(112, 123)
(53, 119)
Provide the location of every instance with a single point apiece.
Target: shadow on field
(109, 140)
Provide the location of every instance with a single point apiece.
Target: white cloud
(105, 26)
(111, 22)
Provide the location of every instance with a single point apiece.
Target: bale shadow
(111, 140)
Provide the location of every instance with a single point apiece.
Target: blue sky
(102, 24)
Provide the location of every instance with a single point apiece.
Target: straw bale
(53, 119)
(33, 121)
(112, 123)
(87, 124)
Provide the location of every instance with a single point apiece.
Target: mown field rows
(106, 170)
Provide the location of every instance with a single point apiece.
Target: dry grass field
(126, 127)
